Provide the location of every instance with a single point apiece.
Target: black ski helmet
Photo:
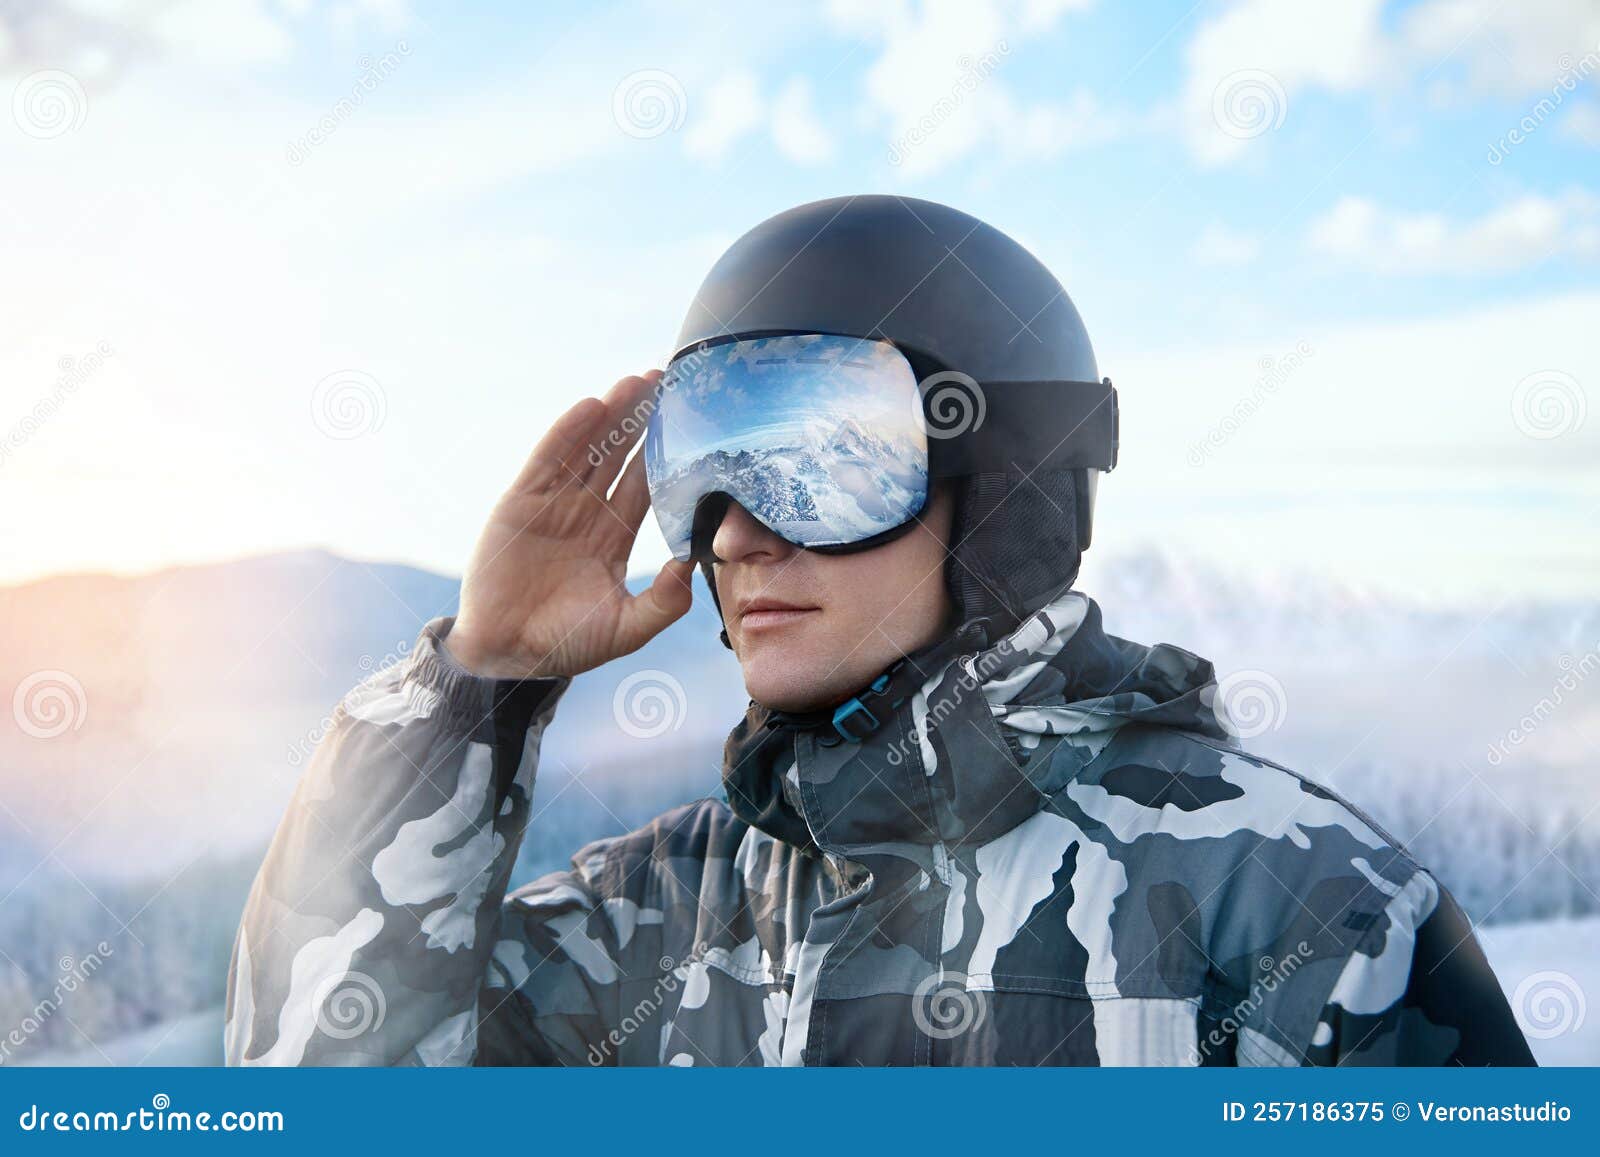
(988, 329)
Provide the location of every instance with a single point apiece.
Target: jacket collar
(969, 743)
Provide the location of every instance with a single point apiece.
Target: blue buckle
(852, 707)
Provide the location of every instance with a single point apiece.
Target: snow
(188, 1041)
(1555, 965)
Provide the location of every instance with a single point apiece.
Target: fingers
(664, 602)
(566, 438)
(628, 407)
(631, 498)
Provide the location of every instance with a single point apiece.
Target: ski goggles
(820, 437)
(830, 441)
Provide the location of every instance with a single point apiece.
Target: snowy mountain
(846, 481)
(194, 695)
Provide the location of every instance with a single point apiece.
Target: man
(963, 825)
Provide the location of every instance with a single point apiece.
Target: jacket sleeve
(374, 932)
(1427, 996)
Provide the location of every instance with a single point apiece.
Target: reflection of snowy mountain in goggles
(819, 437)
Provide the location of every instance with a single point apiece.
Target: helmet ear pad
(1017, 538)
(1014, 544)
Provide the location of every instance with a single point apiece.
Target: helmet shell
(929, 278)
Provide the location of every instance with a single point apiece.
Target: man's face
(859, 611)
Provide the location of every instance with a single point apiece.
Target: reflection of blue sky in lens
(819, 437)
(772, 391)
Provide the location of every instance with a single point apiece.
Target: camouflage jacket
(1048, 851)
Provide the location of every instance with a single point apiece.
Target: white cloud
(1405, 436)
(1583, 123)
(230, 32)
(1043, 14)
(937, 90)
(1246, 65)
(796, 129)
(1220, 245)
(1503, 49)
(1359, 232)
(730, 110)
(734, 109)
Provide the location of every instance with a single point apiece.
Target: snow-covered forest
(127, 847)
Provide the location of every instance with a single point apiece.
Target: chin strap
(711, 585)
(864, 712)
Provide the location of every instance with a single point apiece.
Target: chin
(778, 683)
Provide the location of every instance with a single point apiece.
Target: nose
(740, 538)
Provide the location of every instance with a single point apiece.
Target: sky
(280, 275)
(784, 388)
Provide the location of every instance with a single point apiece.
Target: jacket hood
(969, 743)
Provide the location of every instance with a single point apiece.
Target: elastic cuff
(484, 709)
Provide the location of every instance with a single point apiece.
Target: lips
(768, 612)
